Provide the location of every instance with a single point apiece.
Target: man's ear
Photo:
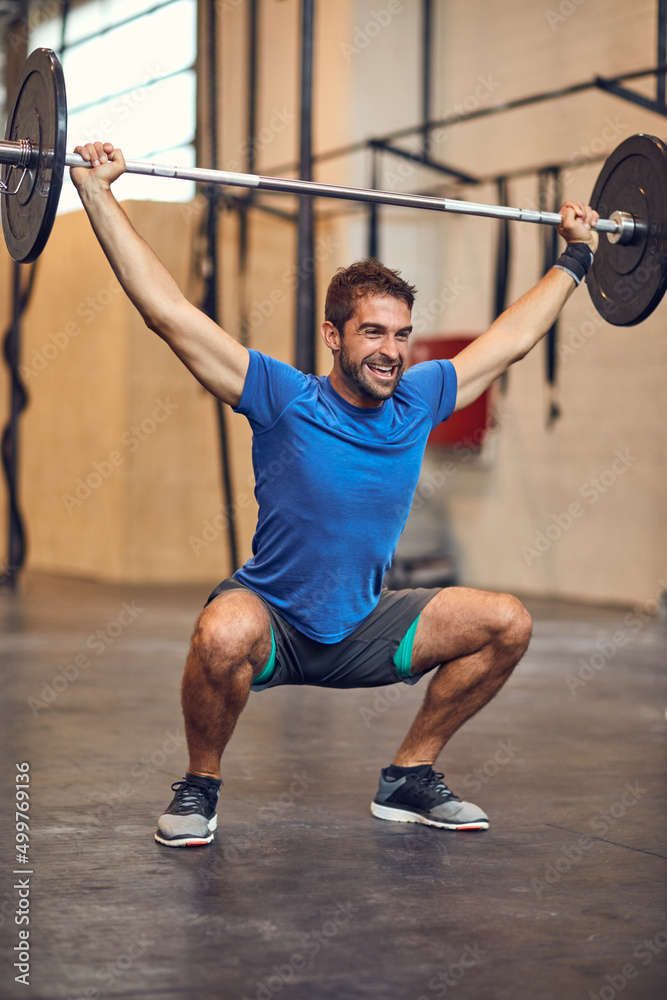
(330, 335)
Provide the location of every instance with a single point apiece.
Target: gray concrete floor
(303, 894)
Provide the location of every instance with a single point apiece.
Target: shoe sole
(190, 841)
(403, 816)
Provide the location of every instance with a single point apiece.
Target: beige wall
(119, 453)
(154, 517)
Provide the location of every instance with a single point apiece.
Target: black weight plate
(626, 283)
(39, 113)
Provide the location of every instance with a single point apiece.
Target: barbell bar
(628, 278)
(15, 154)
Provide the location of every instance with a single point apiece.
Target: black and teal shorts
(377, 653)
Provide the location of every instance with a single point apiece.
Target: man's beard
(362, 379)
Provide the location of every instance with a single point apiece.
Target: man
(308, 607)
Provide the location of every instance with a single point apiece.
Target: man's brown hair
(363, 278)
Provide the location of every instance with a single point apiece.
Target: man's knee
(515, 624)
(232, 630)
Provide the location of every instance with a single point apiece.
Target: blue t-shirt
(334, 483)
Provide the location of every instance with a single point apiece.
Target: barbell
(626, 282)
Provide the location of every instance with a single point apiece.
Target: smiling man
(308, 607)
(378, 320)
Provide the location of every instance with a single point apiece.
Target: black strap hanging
(210, 304)
(16, 536)
(503, 259)
(549, 184)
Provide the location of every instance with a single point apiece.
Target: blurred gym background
(129, 494)
(124, 469)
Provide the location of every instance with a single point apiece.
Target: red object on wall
(465, 427)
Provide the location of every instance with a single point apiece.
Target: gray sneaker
(423, 797)
(190, 817)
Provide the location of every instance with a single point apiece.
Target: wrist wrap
(575, 261)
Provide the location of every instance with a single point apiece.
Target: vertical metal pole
(253, 30)
(305, 290)
(251, 158)
(661, 79)
(63, 28)
(374, 208)
(427, 52)
(211, 305)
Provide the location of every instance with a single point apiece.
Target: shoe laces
(192, 796)
(435, 780)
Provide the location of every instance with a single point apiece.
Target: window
(130, 79)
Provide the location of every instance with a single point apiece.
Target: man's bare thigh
(457, 622)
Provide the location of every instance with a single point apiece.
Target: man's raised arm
(218, 361)
(520, 327)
